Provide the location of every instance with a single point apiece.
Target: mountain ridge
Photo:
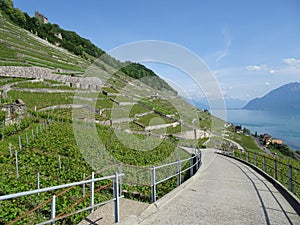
(283, 98)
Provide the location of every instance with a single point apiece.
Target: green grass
(137, 109)
(245, 141)
(109, 90)
(41, 100)
(155, 119)
(160, 105)
(9, 80)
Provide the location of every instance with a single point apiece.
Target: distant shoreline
(280, 125)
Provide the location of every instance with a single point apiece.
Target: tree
(18, 17)
(6, 5)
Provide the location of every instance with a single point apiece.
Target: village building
(41, 17)
(278, 142)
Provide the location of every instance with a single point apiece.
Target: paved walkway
(105, 214)
(224, 191)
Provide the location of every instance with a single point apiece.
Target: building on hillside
(267, 139)
(278, 142)
(41, 17)
(58, 35)
(238, 129)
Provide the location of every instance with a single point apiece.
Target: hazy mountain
(230, 103)
(284, 98)
(234, 103)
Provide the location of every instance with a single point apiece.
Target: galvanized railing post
(92, 191)
(191, 167)
(121, 180)
(247, 156)
(240, 153)
(255, 162)
(17, 164)
(200, 157)
(38, 182)
(153, 187)
(53, 210)
(275, 169)
(179, 173)
(264, 164)
(116, 197)
(83, 186)
(197, 162)
(291, 177)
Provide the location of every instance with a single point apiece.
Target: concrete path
(105, 214)
(224, 191)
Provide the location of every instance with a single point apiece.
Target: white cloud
(292, 62)
(272, 71)
(263, 68)
(292, 66)
(254, 68)
(227, 39)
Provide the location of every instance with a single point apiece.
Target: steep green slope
(48, 45)
(22, 48)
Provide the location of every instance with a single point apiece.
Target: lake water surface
(281, 125)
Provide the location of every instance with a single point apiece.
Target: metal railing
(194, 166)
(287, 174)
(164, 175)
(116, 196)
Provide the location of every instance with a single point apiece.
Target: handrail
(195, 161)
(116, 191)
(154, 182)
(57, 195)
(287, 170)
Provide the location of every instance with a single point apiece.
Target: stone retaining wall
(161, 126)
(44, 73)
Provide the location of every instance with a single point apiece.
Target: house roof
(280, 142)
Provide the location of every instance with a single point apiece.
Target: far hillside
(284, 98)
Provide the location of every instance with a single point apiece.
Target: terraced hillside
(22, 48)
(57, 126)
(121, 109)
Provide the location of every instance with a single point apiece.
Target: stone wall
(43, 73)
(161, 126)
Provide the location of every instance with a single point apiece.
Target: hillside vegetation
(62, 133)
(21, 48)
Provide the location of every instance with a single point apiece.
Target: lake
(280, 125)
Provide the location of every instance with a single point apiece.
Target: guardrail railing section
(163, 173)
(94, 184)
(48, 204)
(282, 170)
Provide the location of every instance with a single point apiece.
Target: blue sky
(252, 46)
